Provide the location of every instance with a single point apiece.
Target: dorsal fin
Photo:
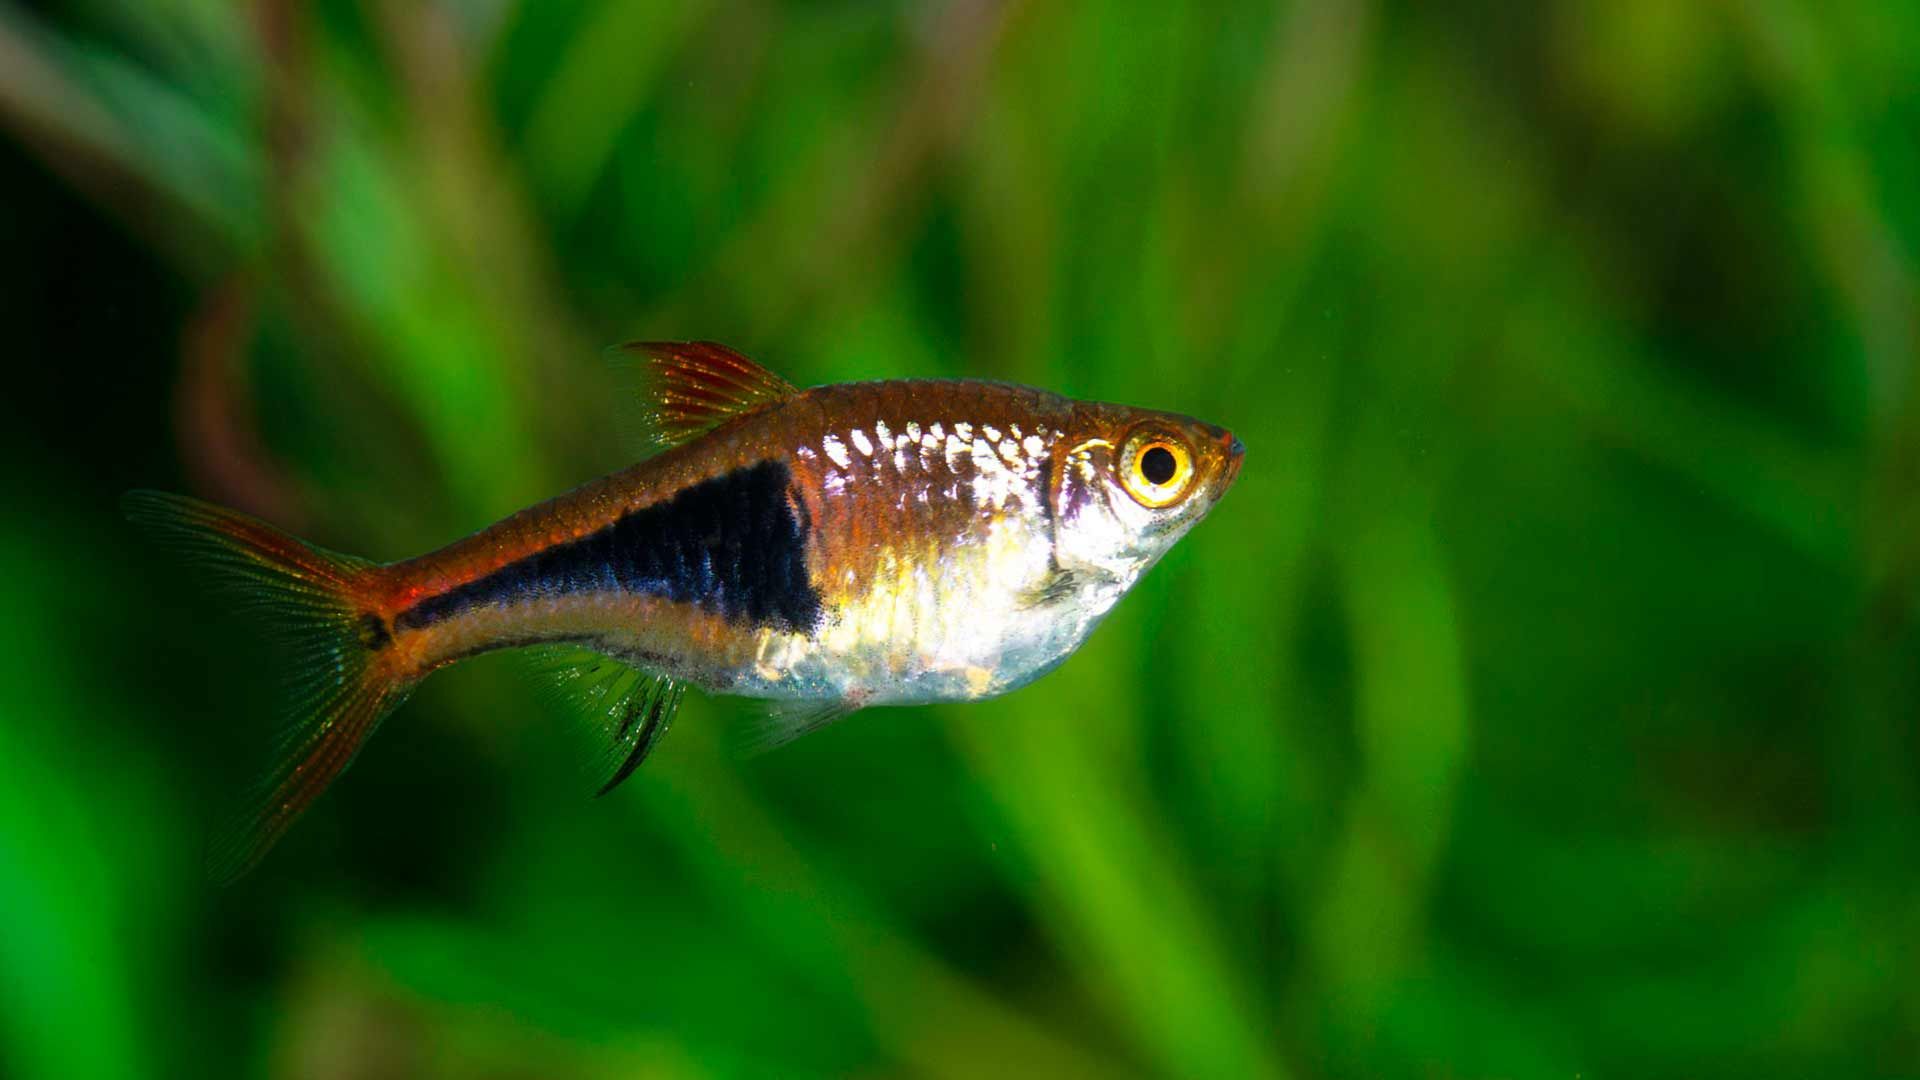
(688, 388)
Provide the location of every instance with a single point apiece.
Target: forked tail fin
(314, 603)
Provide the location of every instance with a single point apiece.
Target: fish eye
(1157, 464)
(1155, 469)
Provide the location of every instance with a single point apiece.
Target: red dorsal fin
(688, 388)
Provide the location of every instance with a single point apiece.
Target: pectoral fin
(1057, 585)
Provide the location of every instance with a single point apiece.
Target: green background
(1542, 702)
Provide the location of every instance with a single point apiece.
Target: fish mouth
(1235, 451)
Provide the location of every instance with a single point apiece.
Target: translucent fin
(688, 388)
(1058, 585)
(630, 709)
(788, 720)
(309, 601)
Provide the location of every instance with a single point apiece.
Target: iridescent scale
(933, 535)
(919, 510)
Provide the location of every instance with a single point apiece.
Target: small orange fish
(877, 543)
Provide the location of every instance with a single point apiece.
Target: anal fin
(629, 709)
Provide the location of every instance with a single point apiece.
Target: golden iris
(1156, 469)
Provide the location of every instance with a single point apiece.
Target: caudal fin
(313, 602)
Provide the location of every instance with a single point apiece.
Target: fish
(893, 542)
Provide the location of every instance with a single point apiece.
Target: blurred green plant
(1542, 702)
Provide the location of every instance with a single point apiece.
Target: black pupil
(1157, 465)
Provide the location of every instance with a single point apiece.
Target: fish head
(1127, 485)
